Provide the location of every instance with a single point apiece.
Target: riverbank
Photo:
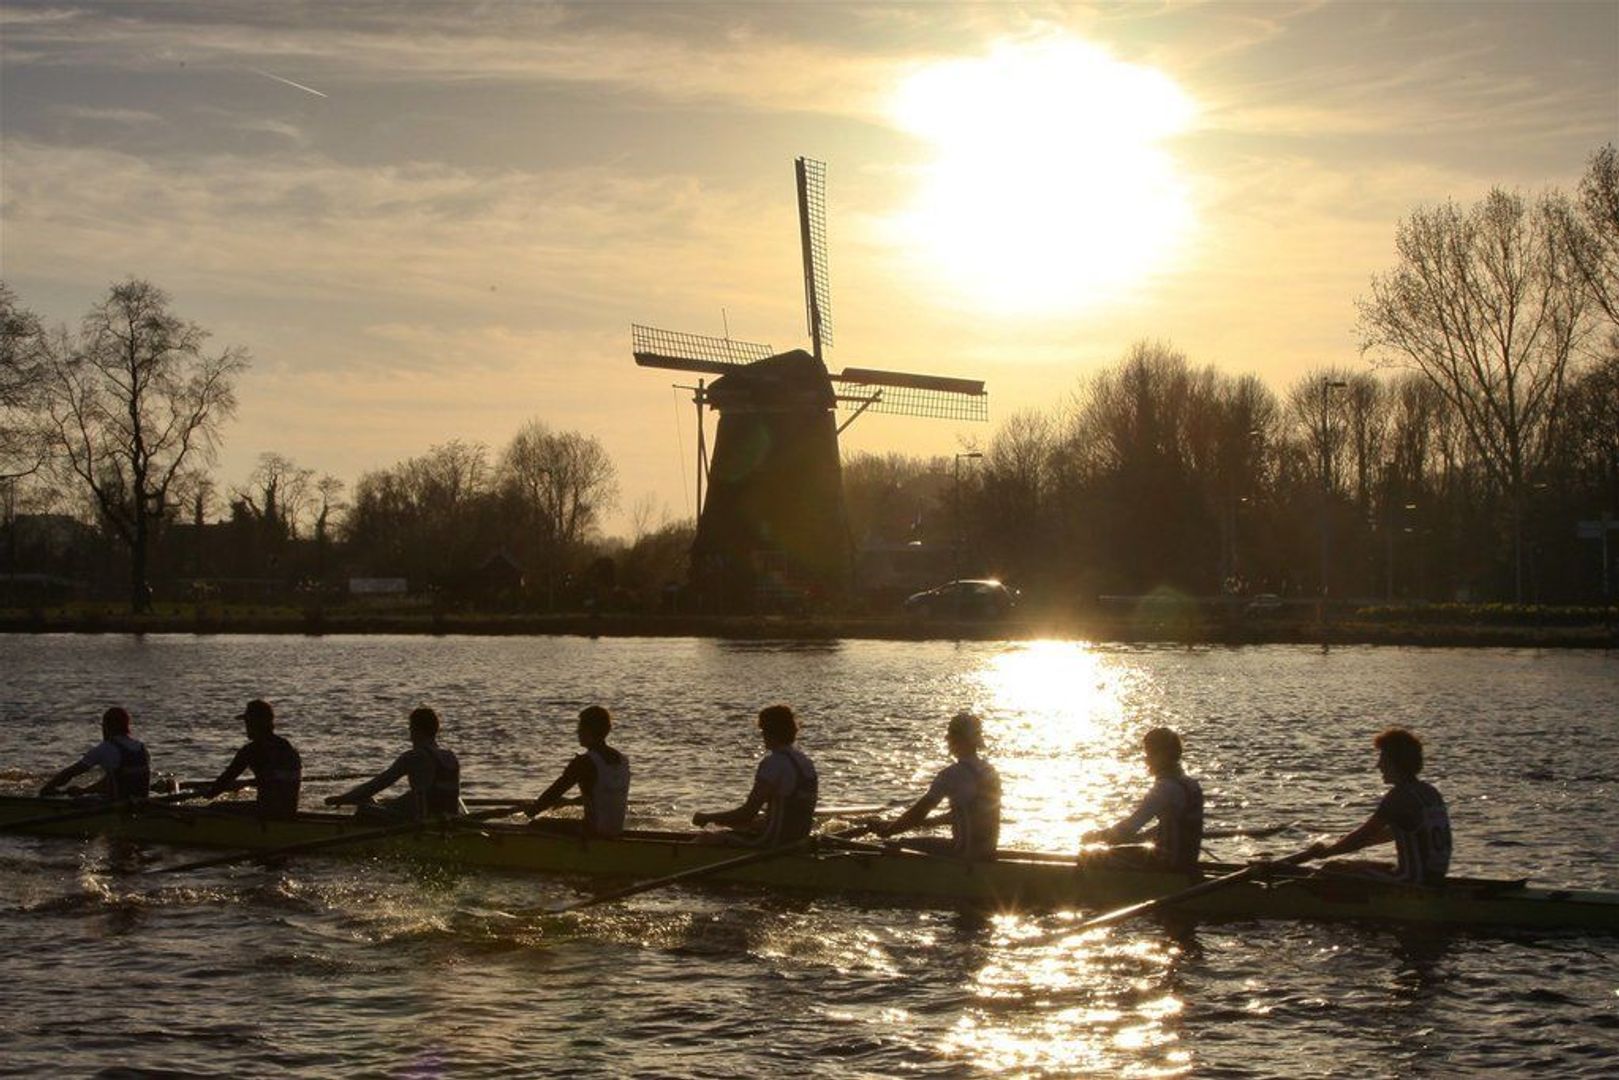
(1373, 627)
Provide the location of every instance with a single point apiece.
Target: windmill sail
(812, 233)
(900, 393)
(692, 352)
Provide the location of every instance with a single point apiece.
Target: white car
(973, 598)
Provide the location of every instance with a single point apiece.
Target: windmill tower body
(774, 523)
(774, 527)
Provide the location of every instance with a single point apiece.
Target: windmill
(774, 523)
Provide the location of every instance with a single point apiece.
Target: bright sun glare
(1050, 190)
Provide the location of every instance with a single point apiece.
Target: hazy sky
(430, 221)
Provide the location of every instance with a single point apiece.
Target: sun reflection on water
(1103, 1008)
(1061, 718)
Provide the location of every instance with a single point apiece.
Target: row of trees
(1486, 428)
(1462, 463)
(119, 423)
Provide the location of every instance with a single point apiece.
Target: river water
(328, 966)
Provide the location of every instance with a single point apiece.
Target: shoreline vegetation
(1505, 626)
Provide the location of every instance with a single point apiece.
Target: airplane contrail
(289, 82)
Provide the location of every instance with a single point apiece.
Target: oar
(327, 778)
(1248, 834)
(112, 806)
(326, 842)
(828, 812)
(1236, 877)
(696, 872)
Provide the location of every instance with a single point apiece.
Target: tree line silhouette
(1472, 454)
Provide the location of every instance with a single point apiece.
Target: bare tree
(1483, 302)
(24, 351)
(279, 494)
(133, 406)
(564, 479)
(1592, 231)
(643, 513)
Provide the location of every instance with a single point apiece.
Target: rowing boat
(1013, 881)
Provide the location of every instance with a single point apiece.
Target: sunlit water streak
(328, 965)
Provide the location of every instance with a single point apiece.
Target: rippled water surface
(325, 965)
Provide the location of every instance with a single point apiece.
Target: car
(974, 598)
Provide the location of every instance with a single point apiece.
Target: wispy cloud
(106, 115)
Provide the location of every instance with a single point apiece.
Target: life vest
(1179, 840)
(131, 778)
(279, 772)
(975, 823)
(1423, 843)
(609, 796)
(792, 817)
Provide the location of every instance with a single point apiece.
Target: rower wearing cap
(974, 789)
(785, 787)
(1412, 814)
(1175, 801)
(602, 775)
(434, 774)
(277, 768)
(125, 765)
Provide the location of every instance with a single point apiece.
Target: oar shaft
(359, 836)
(695, 872)
(1201, 889)
(111, 806)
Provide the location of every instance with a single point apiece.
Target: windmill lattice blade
(817, 279)
(900, 394)
(692, 352)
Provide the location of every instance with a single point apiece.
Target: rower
(126, 767)
(434, 774)
(1412, 814)
(277, 768)
(602, 775)
(785, 786)
(974, 789)
(1175, 801)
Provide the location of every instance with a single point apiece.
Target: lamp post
(1327, 386)
(956, 560)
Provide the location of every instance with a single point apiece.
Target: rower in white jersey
(602, 775)
(1412, 814)
(785, 788)
(1175, 801)
(974, 789)
(126, 769)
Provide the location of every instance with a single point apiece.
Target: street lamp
(956, 561)
(1327, 386)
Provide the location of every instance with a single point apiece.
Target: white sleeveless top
(609, 797)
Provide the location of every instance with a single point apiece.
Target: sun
(1050, 189)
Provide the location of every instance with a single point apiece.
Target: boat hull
(1015, 881)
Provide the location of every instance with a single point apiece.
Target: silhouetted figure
(1412, 814)
(275, 763)
(434, 774)
(601, 774)
(974, 789)
(125, 765)
(785, 787)
(1175, 802)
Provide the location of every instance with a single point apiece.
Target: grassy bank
(1453, 625)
